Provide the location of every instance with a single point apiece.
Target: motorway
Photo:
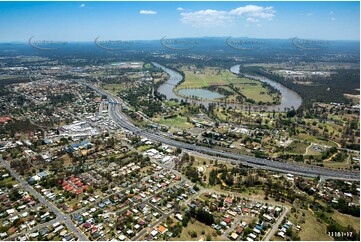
(290, 167)
(60, 215)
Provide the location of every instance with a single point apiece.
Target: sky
(84, 21)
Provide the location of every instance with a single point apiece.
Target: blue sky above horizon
(84, 21)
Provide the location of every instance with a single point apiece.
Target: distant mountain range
(211, 46)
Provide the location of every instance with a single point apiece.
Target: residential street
(60, 215)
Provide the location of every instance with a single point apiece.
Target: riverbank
(289, 98)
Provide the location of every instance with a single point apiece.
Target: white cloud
(333, 19)
(252, 20)
(180, 9)
(310, 14)
(149, 12)
(331, 13)
(255, 11)
(210, 17)
(207, 17)
(82, 5)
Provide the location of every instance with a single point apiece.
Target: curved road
(292, 167)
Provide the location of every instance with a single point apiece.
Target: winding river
(289, 100)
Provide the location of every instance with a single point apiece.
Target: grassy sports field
(113, 88)
(198, 228)
(178, 122)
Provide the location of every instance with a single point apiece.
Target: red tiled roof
(4, 119)
(239, 230)
(68, 188)
(73, 179)
(70, 209)
(78, 191)
(12, 230)
(229, 200)
(228, 220)
(86, 225)
(95, 229)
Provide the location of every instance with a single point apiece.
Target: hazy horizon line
(203, 37)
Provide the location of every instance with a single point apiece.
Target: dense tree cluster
(344, 207)
(325, 89)
(200, 214)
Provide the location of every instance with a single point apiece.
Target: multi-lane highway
(290, 167)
